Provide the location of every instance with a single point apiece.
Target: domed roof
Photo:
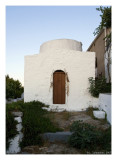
(61, 44)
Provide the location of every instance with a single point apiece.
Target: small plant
(88, 137)
(98, 86)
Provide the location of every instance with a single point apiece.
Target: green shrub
(88, 137)
(84, 135)
(34, 123)
(98, 86)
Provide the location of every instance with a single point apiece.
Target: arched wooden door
(59, 87)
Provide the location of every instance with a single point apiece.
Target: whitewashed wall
(105, 104)
(38, 76)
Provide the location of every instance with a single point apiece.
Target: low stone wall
(10, 100)
(14, 142)
(105, 104)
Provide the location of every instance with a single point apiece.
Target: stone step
(57, 137)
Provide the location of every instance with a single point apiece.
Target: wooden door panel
(55, 89)
(59, 88)
(62, 88)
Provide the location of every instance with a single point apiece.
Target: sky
(27, 27)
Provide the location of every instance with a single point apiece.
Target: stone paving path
(64, 121)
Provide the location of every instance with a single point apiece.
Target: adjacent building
(103, 54)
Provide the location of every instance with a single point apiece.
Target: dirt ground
(50, 148)
(64, 120)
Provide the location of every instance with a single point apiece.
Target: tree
(14, 88)
(105, 19)
(105, 23)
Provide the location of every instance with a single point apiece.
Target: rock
(17, 114)
(99, 114)
(18, 119)
(14, 100)
(19, 99)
